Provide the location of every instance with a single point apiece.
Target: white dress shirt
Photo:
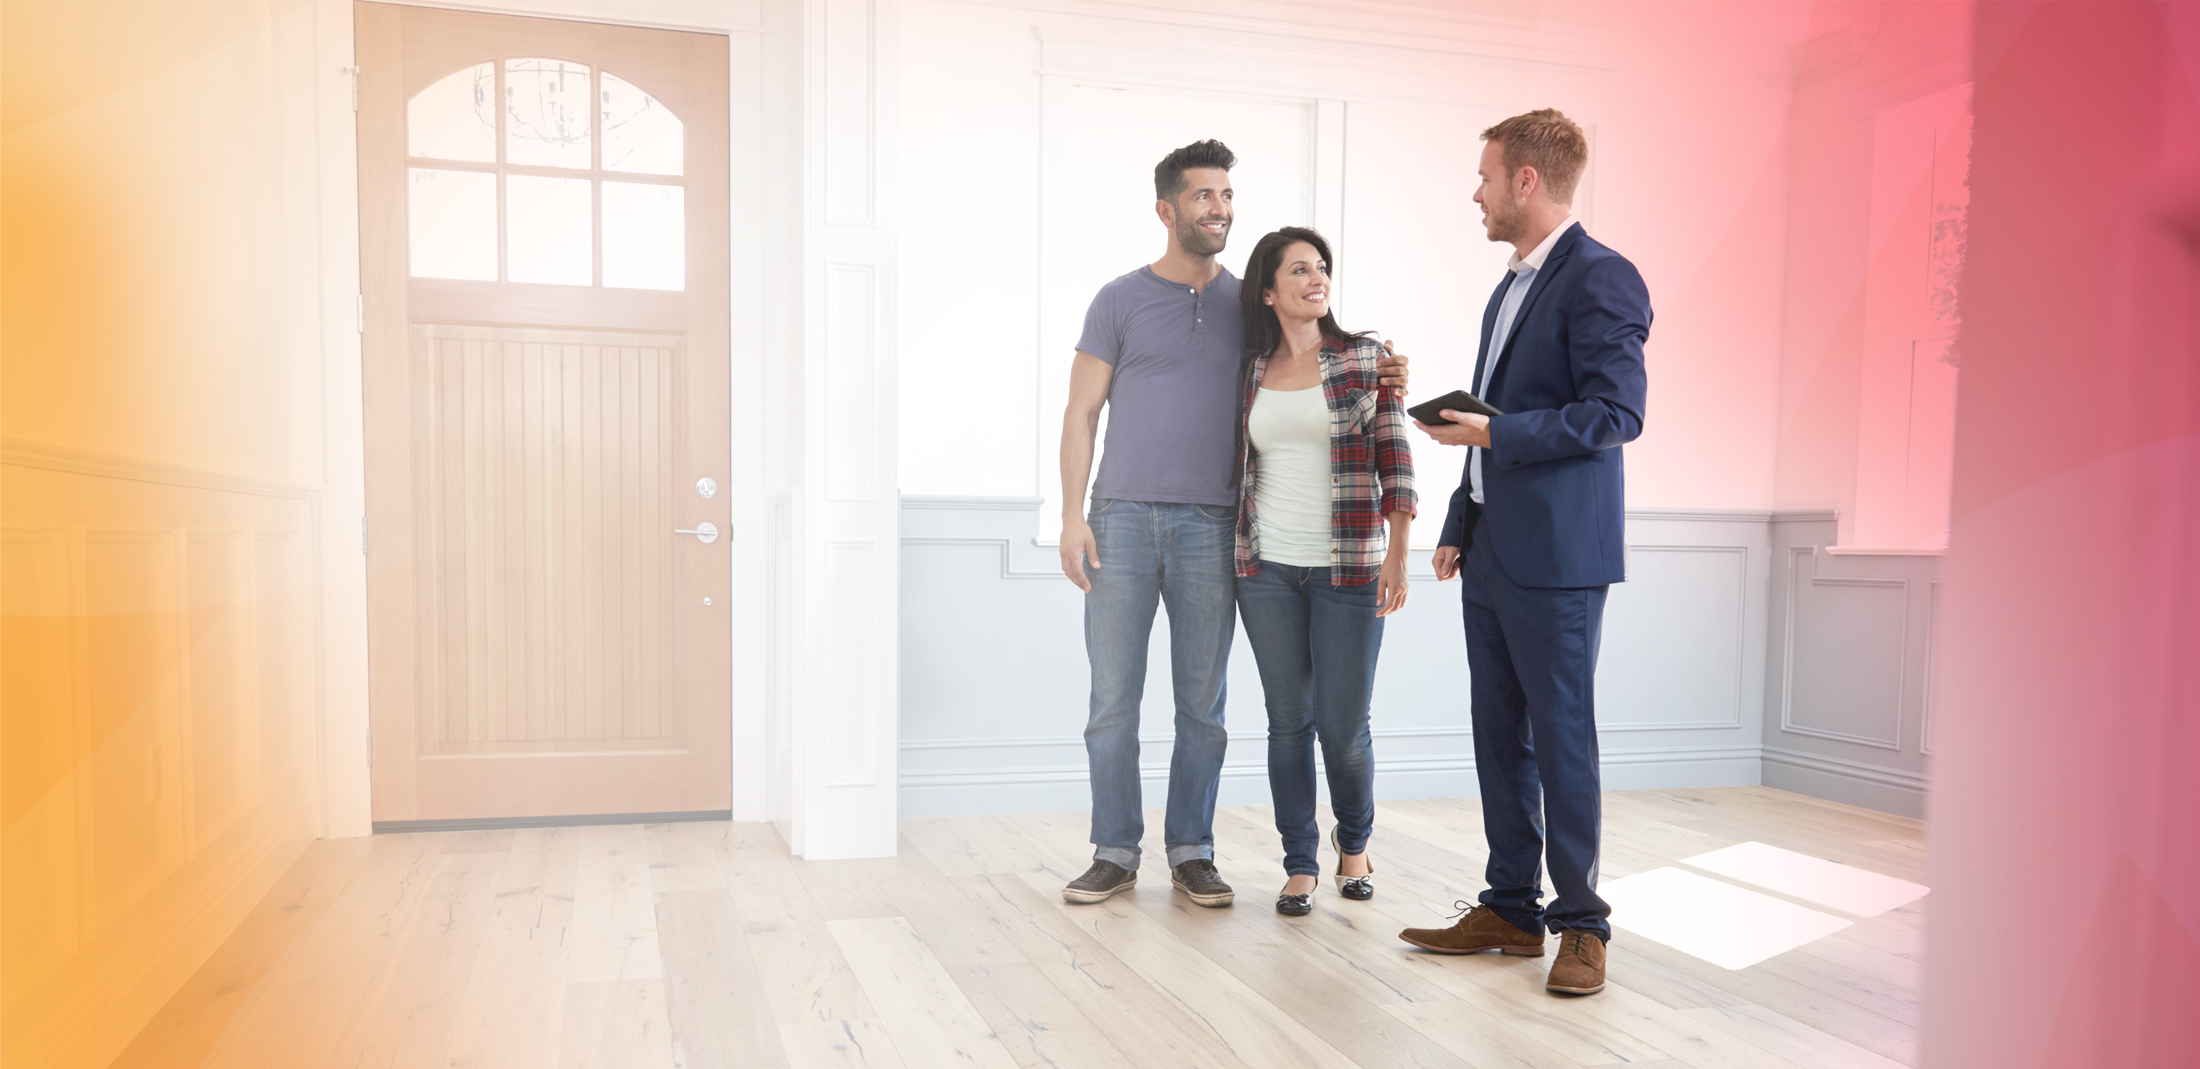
(1524, 269)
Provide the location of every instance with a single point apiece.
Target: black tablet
(1431, 412)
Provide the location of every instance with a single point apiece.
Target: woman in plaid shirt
(1326, 468)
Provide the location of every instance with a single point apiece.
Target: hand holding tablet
(1432, 412)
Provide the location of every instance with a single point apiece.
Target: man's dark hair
(1168, 175)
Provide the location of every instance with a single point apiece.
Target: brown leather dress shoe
(1479, 929)
(1579, 969)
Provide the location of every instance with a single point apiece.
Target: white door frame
(813, 407)
(839, 713)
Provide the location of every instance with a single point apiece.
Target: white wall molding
(1418, 31)
(1461, 762)
(1932, 658)
(1391, 37)
(1072, 50)
(704, 16)
(1244, 737)
(1265, 69)
(1702, 515)
(994, 676)
(1009, 568)
(166, 938)
(835, 566)
(1063, 787)
(1151, 739)
(1849, 670)
(23, 453)
(1743, 619)
(852, 405)
(1800, 577)
(1000, 732)
(1858, 770)
(849, 54)
(955, 502)
(752, 535)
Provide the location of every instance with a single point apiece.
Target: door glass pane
(546, 230)
(451, 223)
(644, 236)
(546, 113)
(639, 134)
(452, 120)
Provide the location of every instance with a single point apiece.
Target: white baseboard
(1851, 782)
(1064, 788)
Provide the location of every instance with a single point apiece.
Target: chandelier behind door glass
(511, 178)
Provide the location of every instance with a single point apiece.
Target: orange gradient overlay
(162, 488)
(2001, 195)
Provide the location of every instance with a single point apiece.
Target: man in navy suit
(1537, 532)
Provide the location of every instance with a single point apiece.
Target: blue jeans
(1182, 556)
(1316, 646)
(1532, 662)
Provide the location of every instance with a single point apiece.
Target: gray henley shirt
(1173, 402)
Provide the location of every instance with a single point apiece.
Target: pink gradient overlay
(2065, 809)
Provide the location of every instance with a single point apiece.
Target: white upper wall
(1029, 133)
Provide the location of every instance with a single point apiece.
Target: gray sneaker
(1103, 879)
(1199, 879)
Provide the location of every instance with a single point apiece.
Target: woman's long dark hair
(1263, 332)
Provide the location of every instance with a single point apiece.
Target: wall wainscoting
(165, 712)
(1713, 671)
(1848, 714)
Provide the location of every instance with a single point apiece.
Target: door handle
(704, 533)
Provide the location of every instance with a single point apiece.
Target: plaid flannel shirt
(1370, 463)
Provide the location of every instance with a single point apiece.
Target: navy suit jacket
(1572, 387)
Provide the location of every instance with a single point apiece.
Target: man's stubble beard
(1195, 241)
(1507, 222)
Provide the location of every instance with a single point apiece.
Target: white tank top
(1290, 432)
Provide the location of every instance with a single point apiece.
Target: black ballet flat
(1356, 888)
(1295, 905)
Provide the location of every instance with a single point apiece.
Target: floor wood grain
(701, 946)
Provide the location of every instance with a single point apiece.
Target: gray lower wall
(1849, 670)
(1737, 653)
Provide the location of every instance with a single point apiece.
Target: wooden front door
(543, 209)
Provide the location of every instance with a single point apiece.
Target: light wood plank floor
(706, 945)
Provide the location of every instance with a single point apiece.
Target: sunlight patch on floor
(1829, 883)
(1728, 926)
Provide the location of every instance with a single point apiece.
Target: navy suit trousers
(1533, 655)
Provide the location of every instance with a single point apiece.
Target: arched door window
(540, 170)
